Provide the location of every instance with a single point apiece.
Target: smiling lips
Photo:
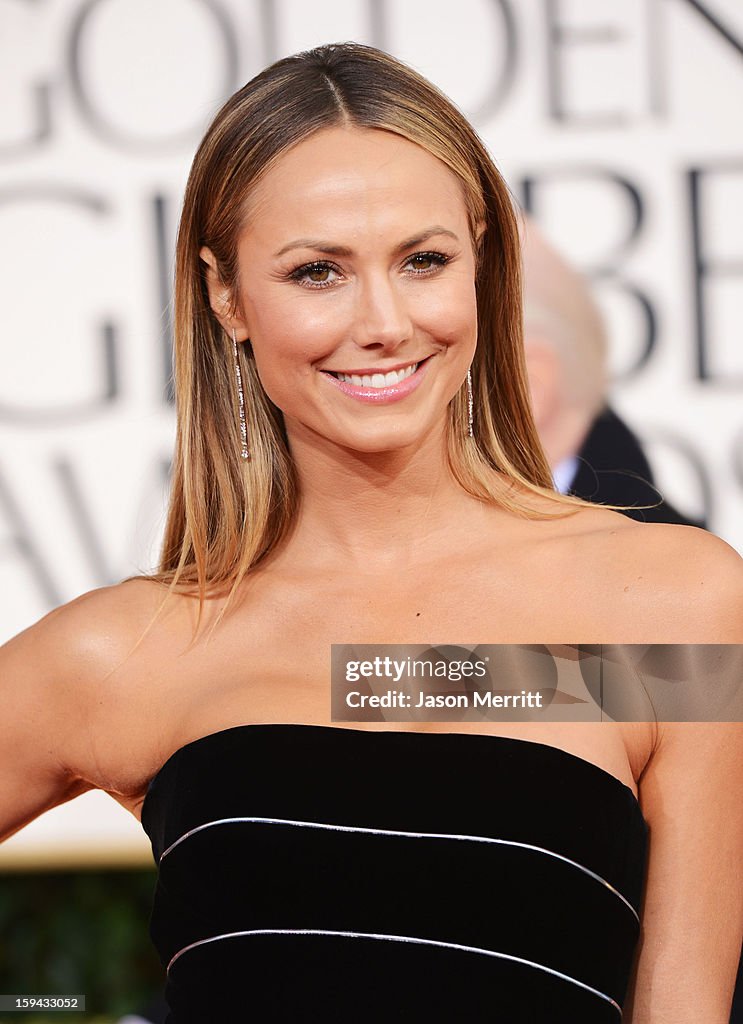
(376, 380)
(379, 387)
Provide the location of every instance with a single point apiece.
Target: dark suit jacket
(613, 469)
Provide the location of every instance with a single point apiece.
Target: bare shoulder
(645, 582)
(91, 631)
(684, 583)
(633, 582)
(686, 557)
(48, 752)
(56, 670)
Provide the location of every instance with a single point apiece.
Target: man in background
(591, 451)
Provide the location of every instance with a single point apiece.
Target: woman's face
(356, 262)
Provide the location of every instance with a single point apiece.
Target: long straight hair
(225, 514)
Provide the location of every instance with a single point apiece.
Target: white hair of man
(566, 346)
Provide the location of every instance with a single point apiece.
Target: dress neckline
(211, 737)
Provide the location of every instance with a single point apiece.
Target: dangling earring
(470, 432)
(243, 428)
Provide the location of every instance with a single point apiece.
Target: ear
(219, 297)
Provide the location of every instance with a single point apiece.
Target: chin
(373, 437)
(381, 441)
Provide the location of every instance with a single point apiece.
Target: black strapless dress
(312, 873)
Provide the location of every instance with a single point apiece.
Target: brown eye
(425, 262)
(314, 275)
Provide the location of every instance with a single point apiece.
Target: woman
(343, 221)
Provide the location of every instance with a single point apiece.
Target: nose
(381, 317)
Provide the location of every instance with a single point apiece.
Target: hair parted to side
(226, 514)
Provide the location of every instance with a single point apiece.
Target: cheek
(287, 335)
(449, 314)
(286, 343)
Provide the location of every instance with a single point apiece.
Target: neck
(375, 511)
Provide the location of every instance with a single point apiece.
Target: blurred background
(617, 127)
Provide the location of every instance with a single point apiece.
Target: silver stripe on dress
(399, 938)
(410, 835)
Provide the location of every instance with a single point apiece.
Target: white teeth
(378, 380)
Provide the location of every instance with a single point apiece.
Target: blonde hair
(225, 515)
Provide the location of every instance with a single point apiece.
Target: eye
(433, 259)
(314, 275)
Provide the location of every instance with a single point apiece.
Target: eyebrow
(341, 250)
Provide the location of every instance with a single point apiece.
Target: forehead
(354, 179)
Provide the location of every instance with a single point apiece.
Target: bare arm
(52, 687)
(691, 793)
(693, 917)
(37, 693)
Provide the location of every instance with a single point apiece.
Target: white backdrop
(617, 124)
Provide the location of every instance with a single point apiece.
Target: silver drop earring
(470, 431)
(243, 428)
